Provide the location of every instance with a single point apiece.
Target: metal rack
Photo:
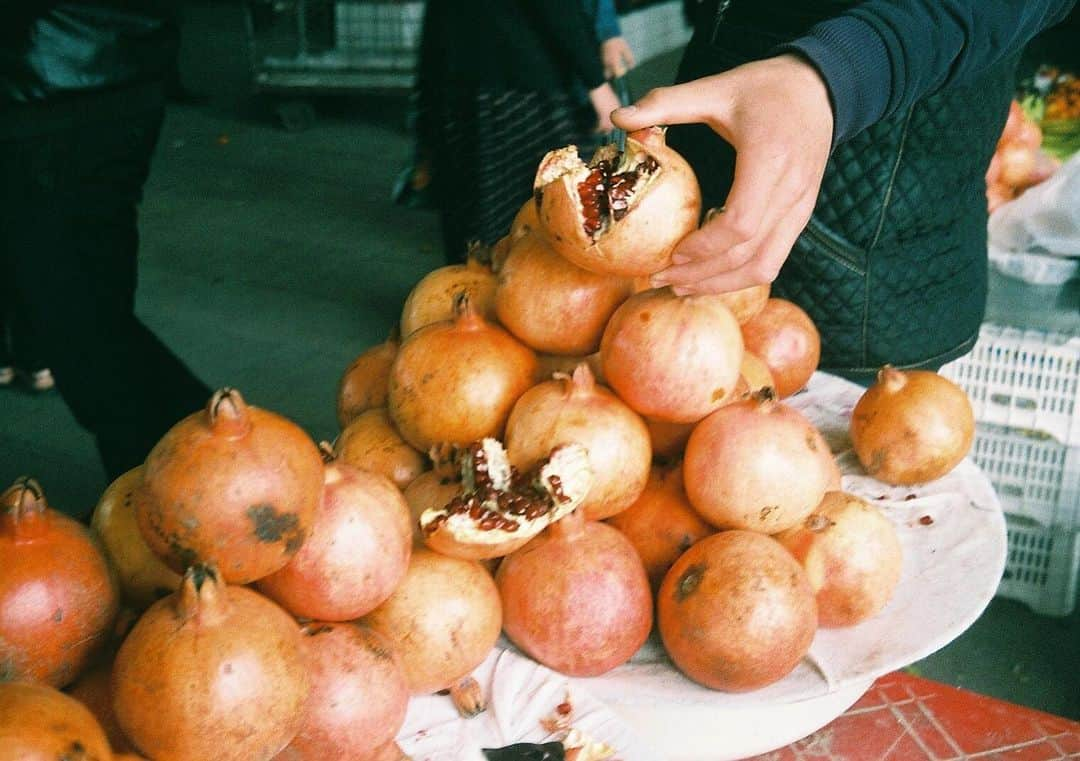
(306, 47)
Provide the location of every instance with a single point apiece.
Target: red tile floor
(908, 718)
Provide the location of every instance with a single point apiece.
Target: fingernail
(682, 291)
(625, 110)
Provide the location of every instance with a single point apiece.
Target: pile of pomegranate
(547, 450)
(1018, 162)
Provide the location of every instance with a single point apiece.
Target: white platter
(954, 542)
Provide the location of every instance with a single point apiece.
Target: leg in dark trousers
(70, 243)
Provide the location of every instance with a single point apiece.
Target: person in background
(81, 106)
(496, 92)
(615, 51)
(19, 359)
(846, 143)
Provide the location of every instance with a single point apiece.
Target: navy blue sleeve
(607, 21)
(881, 56)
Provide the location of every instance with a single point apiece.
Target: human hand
(617, 56)
(604, 101)
(777, 115)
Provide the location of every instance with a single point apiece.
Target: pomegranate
(58, 597)
(358, 694)
(356, 553)
(672, 358)
(143, 576)
(212, 671)
(233, 485)
(756, 464)
(526, 220)
(736, 612)
(746, 303)
(784, 337)
(755, 373)
(366, 381)
(549, 364)
(372, 443)
(443, 620)
(432, 487)
(668, 439)
(39, 723)
(93, 689)
(552, 305)
(911, 426)
(624, 212)
(661, 524)
(498, 509)
(432, 299)
(851, 555)
(456, 381)
(568, 410)
(576, 598)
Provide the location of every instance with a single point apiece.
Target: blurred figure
(496, 92)
(82, 102)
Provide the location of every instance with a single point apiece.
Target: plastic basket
(1041, 569)
(1023, 379)
(1038, 482)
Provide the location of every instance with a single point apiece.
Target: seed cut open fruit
(499, 509)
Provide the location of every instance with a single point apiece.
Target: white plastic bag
(1037, 236)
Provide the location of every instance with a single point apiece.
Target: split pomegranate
(623, 213)
(432, 299)
(58, 597)
(498, 509)
(358, 694)
(456, 381)
(443, 620)
(911, 426)
(372, 443)
(756, 464)
(661, 524)
(552, 305)
(851, 555)
(356, 553)
(736, 612)
(39, 723)
(143, 576)
(432, 487)
(576, 598)
(574, 410)
(366, 381)
(233, 485)
(672, 358)
(784, 337)
(212, 671)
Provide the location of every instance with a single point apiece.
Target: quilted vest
(892, 266)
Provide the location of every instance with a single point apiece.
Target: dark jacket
(62, 63)
(892, 266)
(501, 45)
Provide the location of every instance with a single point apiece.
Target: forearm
(607, 20)
(881, 56)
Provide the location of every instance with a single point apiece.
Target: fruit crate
(1038, 482)
(1023, 378)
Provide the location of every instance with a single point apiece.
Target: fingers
(755, 263)
(678, 104)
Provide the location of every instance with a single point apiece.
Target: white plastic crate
(1041, 569)
(1038, 482)
(1023, 379)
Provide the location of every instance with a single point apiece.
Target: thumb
(692, 102)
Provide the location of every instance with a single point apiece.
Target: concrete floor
(271, 258)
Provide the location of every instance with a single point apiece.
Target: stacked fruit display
(548, 450)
